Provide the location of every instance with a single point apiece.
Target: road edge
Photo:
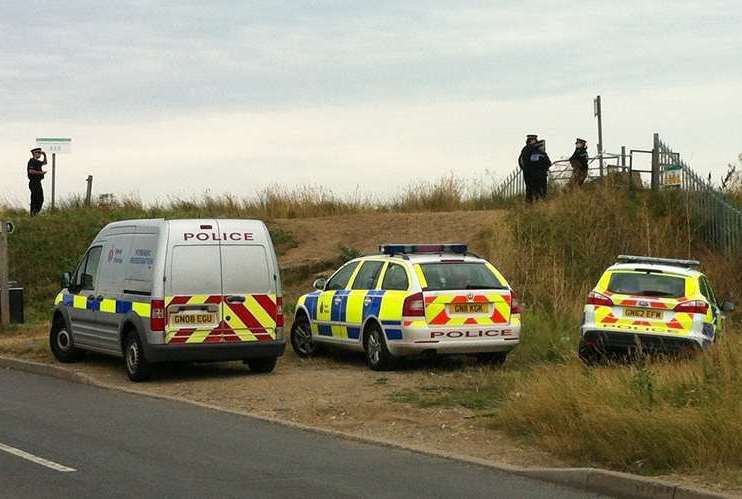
(614, 483)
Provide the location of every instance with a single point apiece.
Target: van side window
(88, 269)
(341, 277)
(367, 276)
(395, 278)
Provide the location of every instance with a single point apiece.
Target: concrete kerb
(613, 483)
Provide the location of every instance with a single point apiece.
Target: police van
(173, 290)
(407, 300)
(649, 304)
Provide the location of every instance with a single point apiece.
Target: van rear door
(193, 288)
(251, 288)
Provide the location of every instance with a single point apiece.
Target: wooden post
(54, 177)
(89, 192)
(4, 292)
(599, 114)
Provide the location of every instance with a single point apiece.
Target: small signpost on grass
(55, 146)
(5, 229)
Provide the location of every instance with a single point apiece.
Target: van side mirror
(320, 284)
(65, 280)
(727, 306)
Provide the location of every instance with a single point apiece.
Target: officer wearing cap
(35, 175)
(535, 163)
(578, 162)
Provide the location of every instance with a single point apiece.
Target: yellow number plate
(642, 313)
(468, 308)
(192, 319)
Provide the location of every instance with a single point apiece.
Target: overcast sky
(176, 97)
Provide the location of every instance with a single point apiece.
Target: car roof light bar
(658, 261)
(402, 249)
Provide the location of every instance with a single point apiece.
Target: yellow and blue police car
(649, 304)
(411, 299)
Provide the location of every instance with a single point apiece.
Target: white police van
(173, 290)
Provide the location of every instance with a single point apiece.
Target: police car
(407, 300)
(651, 305)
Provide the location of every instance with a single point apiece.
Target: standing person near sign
(535, 163)
(35, 176)
(578, 162)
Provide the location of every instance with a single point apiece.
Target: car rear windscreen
(647, 284)
(459, 275)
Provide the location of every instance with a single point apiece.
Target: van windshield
(195, 270)
(459, 275)
(647, 284)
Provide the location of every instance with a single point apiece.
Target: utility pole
(655, 183)
(4, 292)
(599, 114)
(89, 192)
(54, 177)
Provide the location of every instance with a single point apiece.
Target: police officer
(535, 163)
(35, 175)
(578, 162)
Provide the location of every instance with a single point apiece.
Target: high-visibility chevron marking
(250, 321)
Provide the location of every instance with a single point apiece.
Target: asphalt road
(122, 445)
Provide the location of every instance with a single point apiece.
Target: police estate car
(411, 299)
(652, 305)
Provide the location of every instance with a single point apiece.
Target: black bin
(15, 293)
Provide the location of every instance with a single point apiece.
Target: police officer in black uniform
(535, 163)
(578, 162)
(35, 175)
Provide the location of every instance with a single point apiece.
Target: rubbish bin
(15, 295)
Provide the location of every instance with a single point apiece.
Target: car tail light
(595, 298)
(692, 307)
(157, 318)
(279, 311)
(414, 306)
(515, 307)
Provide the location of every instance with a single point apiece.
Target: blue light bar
(406, 249)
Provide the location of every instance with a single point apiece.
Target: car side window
(706, 291)
(341, 277)
(88, 269)
(367, 276)
(395, 278)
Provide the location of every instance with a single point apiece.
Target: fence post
(89, 192)
(656, 163)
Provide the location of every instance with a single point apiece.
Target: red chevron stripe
(267, 303)
(182, 335)
(470, 321)
(214, 299)
(441, 318)
(497, 317)
(250, 321)
(179, 300)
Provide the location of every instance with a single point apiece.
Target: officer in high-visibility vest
(35, 176)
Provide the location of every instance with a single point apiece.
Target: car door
(85, 302)
(716, 315)
(357, 299)
(326, 302)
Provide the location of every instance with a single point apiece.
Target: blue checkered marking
(67, 300)
(311, 303)
(372, 303)
(339, 302)
(93, 305)
(325, 330)
(354, 333)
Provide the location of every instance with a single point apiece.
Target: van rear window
(647, 284)
(463, 275)
(246, 270)
(195, 270)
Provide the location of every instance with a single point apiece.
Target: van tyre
(378, 356)
(492, 358)
(136, 364)
(301, 337)
(62, 345)
(262, 365)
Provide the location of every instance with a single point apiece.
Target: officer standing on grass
(578, 162)
(535, 163)
(35, 176)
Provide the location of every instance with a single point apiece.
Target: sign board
(672, 176)
(54, 145)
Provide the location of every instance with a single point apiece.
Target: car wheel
(62, 345)
(378, 356)
(136, 364)
(262, 365)
(301, 337)
(492, 358)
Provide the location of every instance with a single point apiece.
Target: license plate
(190, 319)
(642, 313)
(468, 308)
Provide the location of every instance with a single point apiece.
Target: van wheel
(61, 344)
(137, 366)
(301, 337)
(378, 356)
(262, 365)
(492, 358)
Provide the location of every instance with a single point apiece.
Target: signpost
(5, 229)
(54, 146)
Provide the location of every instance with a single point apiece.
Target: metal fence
(715, 219)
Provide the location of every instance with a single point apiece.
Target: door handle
(235, 299)
(100, 297)
(91, 297)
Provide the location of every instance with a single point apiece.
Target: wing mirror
(320, 284)
(65, 280)
(727, 306)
